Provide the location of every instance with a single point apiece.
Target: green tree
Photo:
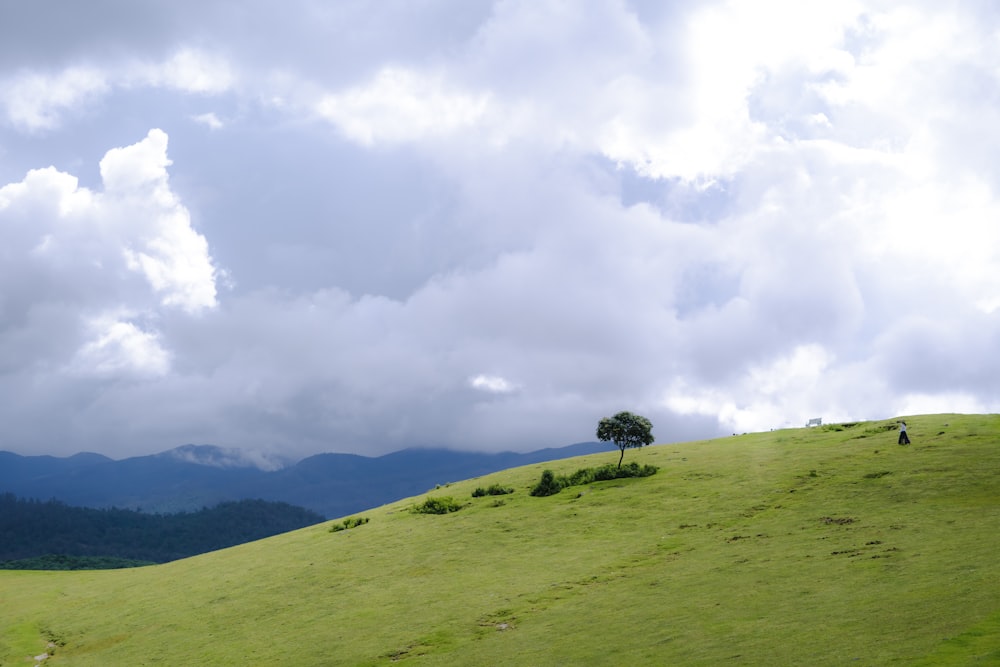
(626, 430)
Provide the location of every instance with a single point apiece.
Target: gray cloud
(488, 225)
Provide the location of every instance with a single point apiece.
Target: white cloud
(209, 120)
(42, 187)
(944, 229)
(137, 221)
(141, 167)
(493, 384)
(782, 393)
(944, 403)
(35, 101)
(402, 105)
(38, 100)
(118, 348)
(67, 248)
(163, 246)
(191, 71)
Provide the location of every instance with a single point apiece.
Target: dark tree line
(30, 529)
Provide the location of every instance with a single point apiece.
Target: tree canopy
(626, 430)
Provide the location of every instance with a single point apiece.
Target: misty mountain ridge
(192, 477)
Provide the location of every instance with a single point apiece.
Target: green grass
(823, 546)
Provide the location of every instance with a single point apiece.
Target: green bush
(550, 484)
(636, 470)
(608, 472)
(492, 490)
(442, 505)
(352, 522)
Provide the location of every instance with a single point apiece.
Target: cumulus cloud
(137, 222)
(69, 247)
(171, 255)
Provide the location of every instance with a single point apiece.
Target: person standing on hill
(903, 438)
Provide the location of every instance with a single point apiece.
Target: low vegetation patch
(492, 490)
(836, 428)
(441, 505)
(838, 520)
(346, 524)
(550, 484)
(877, 429)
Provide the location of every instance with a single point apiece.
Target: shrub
(548, 485)
(442, 505)
(492, 490)
(352, 522)
(608, 472)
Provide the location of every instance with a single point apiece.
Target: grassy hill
(823, 546)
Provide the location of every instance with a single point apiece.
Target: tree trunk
(620, 458)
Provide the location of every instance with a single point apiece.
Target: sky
(310, 226)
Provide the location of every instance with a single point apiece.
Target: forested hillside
(31, 529)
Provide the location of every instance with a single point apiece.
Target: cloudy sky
(357, 226)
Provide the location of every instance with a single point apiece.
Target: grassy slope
(795, 547)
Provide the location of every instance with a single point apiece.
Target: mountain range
(192, 477)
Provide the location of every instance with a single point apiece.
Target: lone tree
(626, 430)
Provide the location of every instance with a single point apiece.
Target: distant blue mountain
(192, 477)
